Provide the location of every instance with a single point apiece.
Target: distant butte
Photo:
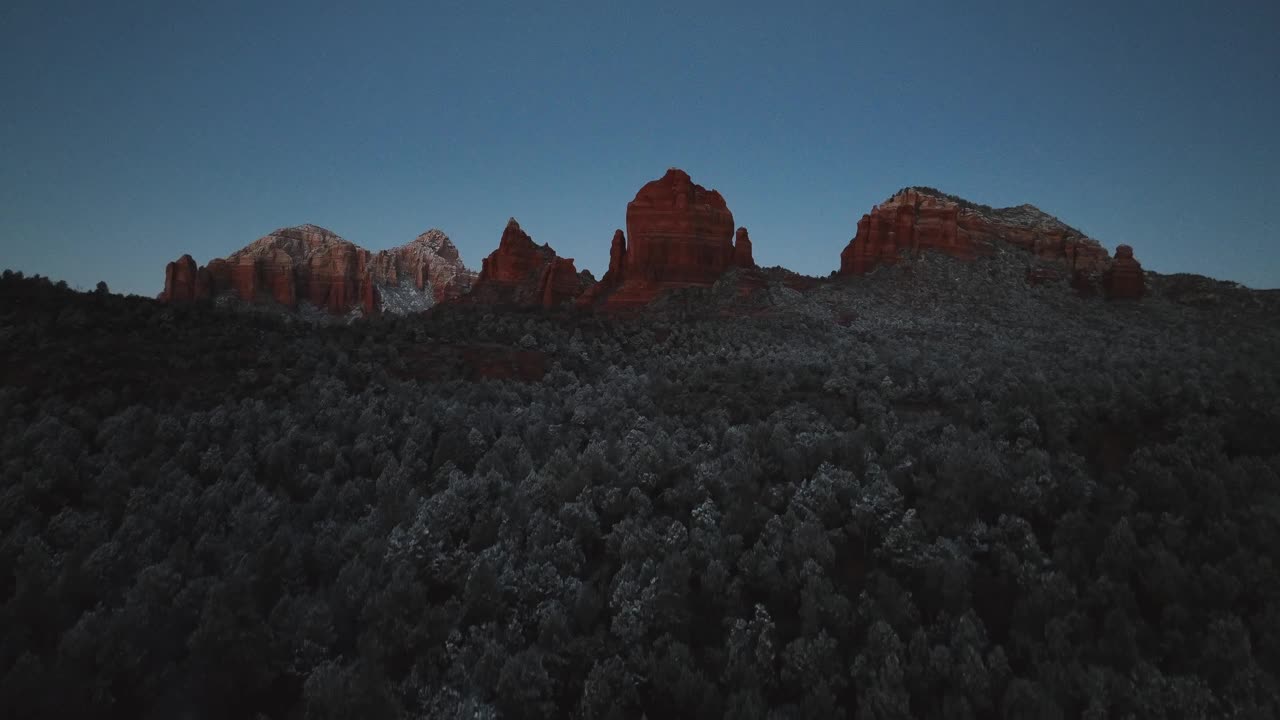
(429, 260)
(311, 264)
(679, 234)
(521, 272)
(918, 219)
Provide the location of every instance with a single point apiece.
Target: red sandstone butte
(679, 234)
(304, 262)
(917, 219)
(309, 263)
(180, 281)
(1124, 280)
(291, 264)
(522, 272)
(431, 260)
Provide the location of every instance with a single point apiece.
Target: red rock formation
(679, 234)
(369, 300)
(617, 257)
(521, 272)
(219, 276)
(291, 264)
(268, 271)
(907, 221)
(612, 277)
(918, 219)
(182, 281)
(333, 277)
(560, 282)
(516, 258)
(1124, 280)
(430, 260)
(742, 250)
(309, 263)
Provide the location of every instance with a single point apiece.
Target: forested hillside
(927, 492)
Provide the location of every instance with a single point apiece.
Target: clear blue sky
(135, 131)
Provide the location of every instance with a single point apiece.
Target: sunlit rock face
(429, 264)
(918, 219)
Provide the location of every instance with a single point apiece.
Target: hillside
(930, 490)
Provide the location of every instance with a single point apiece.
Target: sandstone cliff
(917, 219)
(314, 265)
(522, 272)
(679, 234)
(429, 262)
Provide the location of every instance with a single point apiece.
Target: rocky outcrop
(306, 262)
(522, 272)
(312, 265)
(1124, 280)
(561, 282)
(291, 265)
(918, 219)
(612, 277)
(617, 257)
(430, 263)
(742, 256)
(679, 234)
(184, 282)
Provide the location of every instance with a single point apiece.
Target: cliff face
(291, 264)
(679, 234)
(918, 219)
(521, 272)
(430, 262)
(181, 282)
(310, 264)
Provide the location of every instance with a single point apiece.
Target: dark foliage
(929, 492)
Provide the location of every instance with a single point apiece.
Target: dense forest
(932, 491)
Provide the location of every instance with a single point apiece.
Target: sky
(135, 131)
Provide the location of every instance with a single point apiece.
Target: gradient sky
(135, 131)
